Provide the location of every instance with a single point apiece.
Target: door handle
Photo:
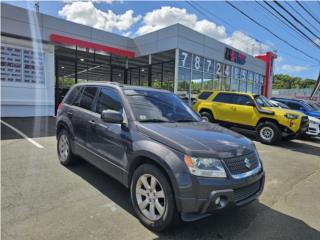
(233, 108)
(92, 122)
(69, 113)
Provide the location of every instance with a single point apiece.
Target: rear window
(73, 96)
(204, 95)
(224, 97)
(241, 99)
(87, 97)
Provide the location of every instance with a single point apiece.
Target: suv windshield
(153, 106)
(314, 106)
(262, 101)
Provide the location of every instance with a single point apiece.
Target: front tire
(65, 154)
(152, 198)
(206, 115)
(268, 132)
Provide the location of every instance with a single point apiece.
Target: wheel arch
(163, 167)
(261, 120)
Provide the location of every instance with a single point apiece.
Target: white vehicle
(314, 127)
(314, 123)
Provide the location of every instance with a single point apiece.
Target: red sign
(235, 57)
(91, 45)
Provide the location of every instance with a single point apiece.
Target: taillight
(60, 106)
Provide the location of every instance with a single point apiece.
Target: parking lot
(41, 199)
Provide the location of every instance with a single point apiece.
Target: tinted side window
(108, 99)
(204, 95)
(87, 97)
(73, 96)
(223, 97)
(294, 106)
(241, 99)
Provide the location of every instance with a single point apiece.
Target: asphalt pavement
(42, 199)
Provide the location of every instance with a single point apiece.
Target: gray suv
(153, 143)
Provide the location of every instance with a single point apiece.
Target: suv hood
(199, 139)
(282, 111)
(315, 114)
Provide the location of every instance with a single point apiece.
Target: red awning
(85, 44)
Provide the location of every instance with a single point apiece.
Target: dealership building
(42, 56)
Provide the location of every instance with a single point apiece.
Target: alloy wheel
(150, 197)
(63, 148)
(266, 133)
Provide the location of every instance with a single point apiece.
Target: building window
(207, 74)
(243, 80)
(250, 82)
(207, 81)
(225, 84)
(196, 82)
(184, 76)
(218, 70)
(168, 76)
(144, 76)
(235, 76)
(185, 59)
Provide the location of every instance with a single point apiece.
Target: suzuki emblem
(247, 162)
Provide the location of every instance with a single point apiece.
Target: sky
(216, 19)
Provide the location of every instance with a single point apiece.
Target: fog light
(217, 201)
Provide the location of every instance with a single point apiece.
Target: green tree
(284, 81)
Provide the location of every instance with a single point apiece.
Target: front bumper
(217, 194)
(313, 129)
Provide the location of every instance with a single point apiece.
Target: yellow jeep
(251, 112)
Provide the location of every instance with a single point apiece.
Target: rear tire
(268, 132)
(206, 115)
(65, 154)
(154, 204)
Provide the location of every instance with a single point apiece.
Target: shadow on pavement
(255, 221)
(33, 127)
(303, 145)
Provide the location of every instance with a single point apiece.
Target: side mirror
(111, 116)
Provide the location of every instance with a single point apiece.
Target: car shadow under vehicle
(255, 221)
(303, 145)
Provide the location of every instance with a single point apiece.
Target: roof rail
(116, 83)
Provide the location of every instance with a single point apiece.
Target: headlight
(205, 167)
(291, 116)
(312, 122)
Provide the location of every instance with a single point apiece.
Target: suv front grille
(238, 165)
(247, 191)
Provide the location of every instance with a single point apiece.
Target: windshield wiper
(153, 120)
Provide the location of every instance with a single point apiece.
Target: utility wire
(290, 33)
(307, 11)
(204, 12)
(296, 19)
(310, 10)
(281, 20)
(262, 26)
(311, 40)
(297, 12)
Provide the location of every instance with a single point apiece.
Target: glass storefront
(200, 73)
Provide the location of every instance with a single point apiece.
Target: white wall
(19, 99)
